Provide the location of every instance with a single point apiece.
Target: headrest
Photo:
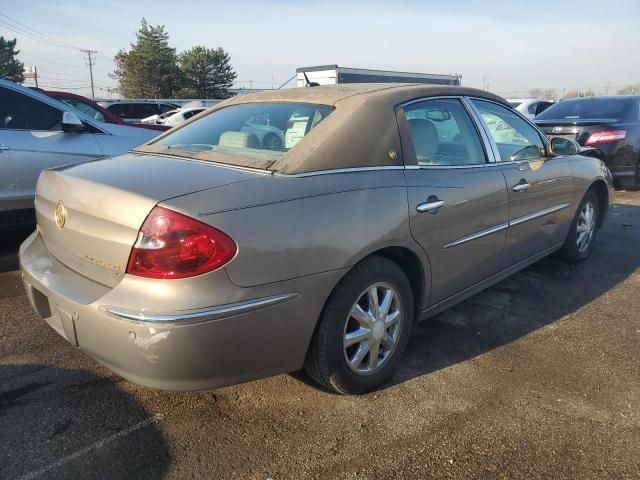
(425, 137)
(239, 140)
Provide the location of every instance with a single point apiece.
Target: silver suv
(38, 132)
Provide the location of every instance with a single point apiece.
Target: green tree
(205, 72)
(10, 67)
(150, 68)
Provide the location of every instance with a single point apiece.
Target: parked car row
(39, 131)
(530, 107)
(303, 228)
(136, 111)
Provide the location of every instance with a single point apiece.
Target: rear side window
(120, 109)
(515, 138)
(589, 108)
(21, 112)
(166, 107)
(442, 133)
(263, 131)
(142, 110)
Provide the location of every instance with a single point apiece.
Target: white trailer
(333, 74)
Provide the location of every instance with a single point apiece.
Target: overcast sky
(511, 45)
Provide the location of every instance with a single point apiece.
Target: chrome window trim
(484, 139)
(459, 167)
(492, 145)
(200, 316)
(218, 164)
(543, 138)
(331, 171)
(537, 214)
(477, 235)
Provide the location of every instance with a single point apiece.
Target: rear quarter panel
(288, 227)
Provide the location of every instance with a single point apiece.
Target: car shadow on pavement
(66, 423)
(536, 297)
(10, 241)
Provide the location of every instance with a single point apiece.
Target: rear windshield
(584, 108)
(260, 131)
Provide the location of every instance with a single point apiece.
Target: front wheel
(364, 328)
(584, 227)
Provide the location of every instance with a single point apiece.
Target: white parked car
(530, 107)
(181, 115)
(159, 118)
(38, 132)
(173, 117)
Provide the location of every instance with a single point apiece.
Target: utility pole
(91, 63)
(31, 72)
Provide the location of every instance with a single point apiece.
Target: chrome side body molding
(504, 226)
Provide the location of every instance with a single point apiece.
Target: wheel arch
(602, 191)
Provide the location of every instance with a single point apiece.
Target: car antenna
(308, 83)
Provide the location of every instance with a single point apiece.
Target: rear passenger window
(515, 138)
(442, 133)
(143, 110)
(120, 109)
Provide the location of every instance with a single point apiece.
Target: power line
(33, 37)
(35, 34)
(60, 74)
(50, 61)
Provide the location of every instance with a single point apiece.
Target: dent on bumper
(266, 334)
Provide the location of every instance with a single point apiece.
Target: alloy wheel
(372, 328)
(586, 227)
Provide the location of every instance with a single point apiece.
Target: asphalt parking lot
(537, 377)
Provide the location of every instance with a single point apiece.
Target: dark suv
(134, 112)
(609, 124)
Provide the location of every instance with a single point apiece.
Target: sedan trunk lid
(89, 215)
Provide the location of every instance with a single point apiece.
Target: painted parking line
(98, 444)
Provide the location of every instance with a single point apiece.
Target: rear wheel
(364, 328)
(582, 234)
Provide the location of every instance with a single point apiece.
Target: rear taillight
(172, 245)
(606, 136)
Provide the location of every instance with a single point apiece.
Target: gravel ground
(537, 377)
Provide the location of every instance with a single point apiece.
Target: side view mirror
(564, 146)
(71, 123)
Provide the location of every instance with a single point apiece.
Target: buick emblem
(60, 214)
(556, 129)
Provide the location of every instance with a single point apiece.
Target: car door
(31, 140)
(457, 196)
(540, 188)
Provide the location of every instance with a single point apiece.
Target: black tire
(326, 360)
(570, 250)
